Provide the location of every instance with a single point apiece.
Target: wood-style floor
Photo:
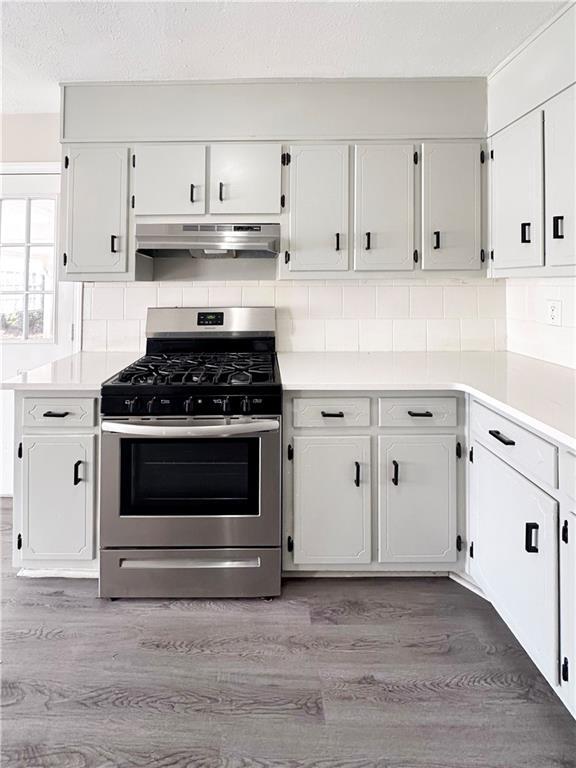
(402, 673)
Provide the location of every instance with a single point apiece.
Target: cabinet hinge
(491, 154)
(415, 257)
(564, 670)
(491, 255)
(482, 156)
(565, 532)
(458, 450)
(66, 161)
(290, 453)
(471, 455)
(482, 255)
(286, 257)
(133, 201)
(290, 544)
(415, 158)
(282, 201)
(19, 450)
(459, 543)
(64, 259)
(286, 158)
(19, 541)
(72, 331)
(133, 161)
(471, 549)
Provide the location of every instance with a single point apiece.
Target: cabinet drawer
(521, 448)
(332, 412)
(568, 473)
(58, 412)
(417, 412)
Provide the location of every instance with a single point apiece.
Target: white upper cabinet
(517, 189)
(169, 179)
(384, 220)
(451, 206)
(95, 210)
(58, 497)
(560, 173)
(245, 178)
(417, 498)
(319, 207)
(332, 499)
(515, 537)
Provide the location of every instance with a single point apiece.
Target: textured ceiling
(48, 42)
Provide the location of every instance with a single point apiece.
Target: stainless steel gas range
(190, 499)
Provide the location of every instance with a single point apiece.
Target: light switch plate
(554, 312)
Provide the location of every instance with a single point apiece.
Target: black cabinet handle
(420, 414)
(357, 476)
(500, 437)
(395, 475)
(436, 240)
(368, 240)
(192, 193)
(55, 414)
(221, 192)
(77, 478)
(337, 241)
(113, 239)
(531, 529)
(525, 232)
(558, 227)
(327, 415)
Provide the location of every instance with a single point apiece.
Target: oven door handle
(212, 430)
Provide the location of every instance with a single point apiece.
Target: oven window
(190, 477)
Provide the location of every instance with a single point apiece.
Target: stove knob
(245, 405)
(189, 405)
(150, 404)
(226, 405)
(134, 404)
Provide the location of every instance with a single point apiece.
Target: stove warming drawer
(181, 573)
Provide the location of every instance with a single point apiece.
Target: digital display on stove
(210, 318)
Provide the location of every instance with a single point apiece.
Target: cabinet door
(96, 210)
(517, 194)
(170, 179)
(319, 208)
(384, 222)
(245, 178)
(332, 499)
(58, 497)
(451, 206)
(516, 555)
(568, 605)
(417, 498)
(560, 174)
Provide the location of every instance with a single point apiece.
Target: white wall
(30, 138)
(400, 315)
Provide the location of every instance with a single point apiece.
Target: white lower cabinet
(58, 484)
(417, 498)
(332, 515)
(515, 555)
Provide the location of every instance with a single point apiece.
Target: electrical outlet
(554, 312)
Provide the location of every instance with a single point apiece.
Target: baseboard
(465, 581)
(57, 573)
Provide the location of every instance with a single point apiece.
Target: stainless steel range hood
(209, 240)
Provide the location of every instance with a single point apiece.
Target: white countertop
(541, 395)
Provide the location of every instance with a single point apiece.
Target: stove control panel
(210, 318)
(224, 405)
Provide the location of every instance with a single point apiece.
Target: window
(27, 239)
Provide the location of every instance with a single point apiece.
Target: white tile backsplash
(322, 315)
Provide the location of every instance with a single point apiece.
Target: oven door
(190, 483)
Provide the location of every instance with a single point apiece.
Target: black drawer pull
(221, 192)
(395, 475)
(421, 414)
(77, 477)
(436, 245)
(500, 437)
(113, 239)
(531, 529)
(368, 241)
(558, 227)
(337, 241)
(192, 187)
(327, 415)
(525, 232)
(357, 476)
(55, 414)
